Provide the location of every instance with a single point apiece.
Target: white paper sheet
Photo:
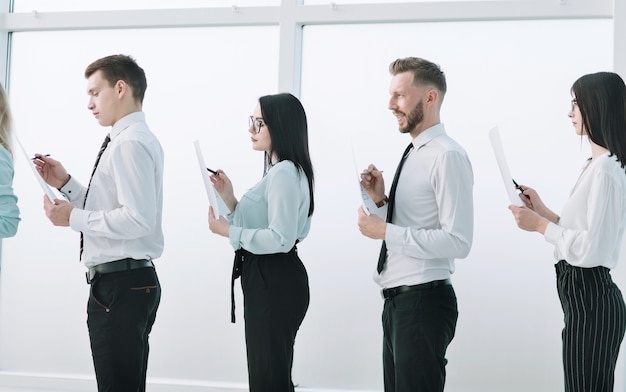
(44, 186)
(208, 185)
(496, 144)
(362, 193)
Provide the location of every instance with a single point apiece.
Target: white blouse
(592, 223)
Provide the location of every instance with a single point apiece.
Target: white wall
(202, 85)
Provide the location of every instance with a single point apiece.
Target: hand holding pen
(224, 187)
(526, 219)
(519, 188)
(373, 183)
(220, 180)
(52, 171)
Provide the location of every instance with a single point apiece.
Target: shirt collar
(429, 134)
(126, 121)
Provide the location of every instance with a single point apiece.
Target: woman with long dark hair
(264, 228)
(588, 234)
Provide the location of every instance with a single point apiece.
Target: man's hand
(58, 212)
(373, 183)
(51, 170)
(371, 225)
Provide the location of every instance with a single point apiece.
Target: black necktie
(390, 205)
(105, 143)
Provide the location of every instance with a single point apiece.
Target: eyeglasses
(257, 123)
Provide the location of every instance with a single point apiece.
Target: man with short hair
(119, 217)
(425, 223)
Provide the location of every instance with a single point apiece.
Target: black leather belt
(117, 266)
(393, 291)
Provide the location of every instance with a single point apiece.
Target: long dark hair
(286, 121)
(601, 98)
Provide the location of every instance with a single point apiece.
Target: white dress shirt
(433, 215)
(589, 233)
(123, 213)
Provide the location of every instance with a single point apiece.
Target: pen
(519, 188)
(47, 155)
(213, 171)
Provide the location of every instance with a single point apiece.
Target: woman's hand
(218, 226)
(531, 200)
(224, 187)
(529, 220)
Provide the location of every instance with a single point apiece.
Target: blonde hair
(5, 121)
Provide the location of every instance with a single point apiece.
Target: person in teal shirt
(9, 211)
(264, 228)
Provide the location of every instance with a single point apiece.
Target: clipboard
(208, 185)
(507, 179)
(44, 186)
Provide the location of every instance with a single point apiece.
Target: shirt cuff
(79, 219)
(553, 233)
(234, 236)
(392, 233)
(71, 190)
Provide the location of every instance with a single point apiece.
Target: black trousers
(120, 313)
(595, 321)
(418, 326)
(276, 298)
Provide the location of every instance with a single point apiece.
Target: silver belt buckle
(90, 274)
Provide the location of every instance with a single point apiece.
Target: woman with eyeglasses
(264, 228)
(588, 235)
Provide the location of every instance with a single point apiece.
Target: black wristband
(69, 177)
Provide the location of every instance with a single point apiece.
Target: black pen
(213, 171)
(519, 188)
(47, 155)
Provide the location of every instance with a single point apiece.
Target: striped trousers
(595, 321)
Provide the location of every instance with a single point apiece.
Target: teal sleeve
(9, 211)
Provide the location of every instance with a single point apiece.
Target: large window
(203, 82)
